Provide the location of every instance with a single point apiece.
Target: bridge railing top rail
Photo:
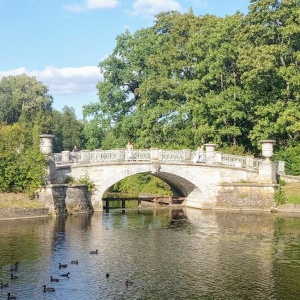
(143, 155)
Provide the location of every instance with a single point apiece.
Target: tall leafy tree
(269, 58)
(67, 129)
(25, 100)
(22, 166)
(23, 96)
(189, 80)
(217, 103)
(123, 72)
(162, 104)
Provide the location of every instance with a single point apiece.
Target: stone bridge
(221, 181)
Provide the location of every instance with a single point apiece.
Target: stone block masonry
(245, 196)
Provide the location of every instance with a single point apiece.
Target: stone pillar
(281, 167)
(46, 143)
(97, 156)
(218, 157)
(210, 152)
(97, 199)
(267, 169)
(120, 154)
(186, 154)
(249, 161)
(154, 154)
(65, 157)
(85, 156)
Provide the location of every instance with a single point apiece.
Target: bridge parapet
(144, 155)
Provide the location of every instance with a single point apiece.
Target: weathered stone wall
(66, 199)
(14, 213)
(60, 175)
(289, 208)
(246, 196)
(289, 178)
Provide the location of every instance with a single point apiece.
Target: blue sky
(61, 42)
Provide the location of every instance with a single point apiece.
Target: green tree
(22, 167)
(24, 96)
(123, 71)
(269, 58)
(67, 129)
(217, 105)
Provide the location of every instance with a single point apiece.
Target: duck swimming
(3, 285)
(62, 265)
(107, 275)
(12, 276)
(48, 289)
(15, 267)
(10, 297)
(54, 279)
(127, 282)
(65, 275)
(74, 262)
(94, 251)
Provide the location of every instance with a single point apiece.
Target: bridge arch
(180, 182)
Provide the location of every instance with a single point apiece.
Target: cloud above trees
(149, 8)
(143, 8)
(92, 4)
(63, 81)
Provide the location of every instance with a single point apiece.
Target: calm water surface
(167, 254)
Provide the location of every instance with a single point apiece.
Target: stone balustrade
(154, 154)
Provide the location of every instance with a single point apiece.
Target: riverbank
(18, 200)
(18, 205)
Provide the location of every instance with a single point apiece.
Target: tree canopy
(200, 79)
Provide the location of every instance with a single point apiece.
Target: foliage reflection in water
(164, 253)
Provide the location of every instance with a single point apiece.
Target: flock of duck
(46, 288)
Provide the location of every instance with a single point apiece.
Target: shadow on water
(179, 219)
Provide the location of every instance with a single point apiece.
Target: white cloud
(64, 81)
(149, 8)
(95, 4)
(92, 4)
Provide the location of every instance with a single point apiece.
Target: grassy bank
(18, 200)
(291, 192)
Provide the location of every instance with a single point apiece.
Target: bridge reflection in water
(166, 253)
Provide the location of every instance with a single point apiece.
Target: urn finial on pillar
(46, 143)
(267, 169)
(267, 148)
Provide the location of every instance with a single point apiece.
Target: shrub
(87, 181)
(82, 180)
(291, 156)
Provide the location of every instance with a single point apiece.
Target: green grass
(291, 192)
(18, 200)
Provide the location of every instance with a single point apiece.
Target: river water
(165, 253)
